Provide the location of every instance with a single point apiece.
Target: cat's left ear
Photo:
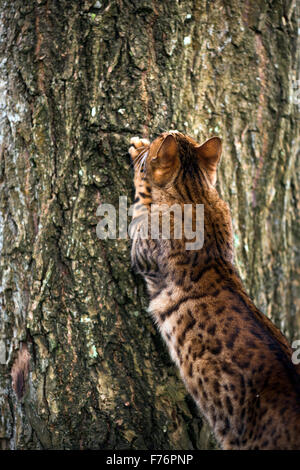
(209, 155)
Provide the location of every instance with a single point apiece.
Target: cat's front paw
(138, 145)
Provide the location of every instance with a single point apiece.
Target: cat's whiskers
(138, 159)
(141, 161)
(139, 169)
(143, 164)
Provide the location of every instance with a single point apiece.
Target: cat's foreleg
(139, 230)
(138, 152)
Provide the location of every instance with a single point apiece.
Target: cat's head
(173, 154)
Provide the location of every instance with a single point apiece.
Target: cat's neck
(217, 227)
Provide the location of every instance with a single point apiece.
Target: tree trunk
(82, 366)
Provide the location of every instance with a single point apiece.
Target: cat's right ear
(209, 155)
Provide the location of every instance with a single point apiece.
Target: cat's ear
(209, 155)
(167, 152)
(164, 158)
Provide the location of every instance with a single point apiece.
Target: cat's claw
(138, 142)
(138, 145)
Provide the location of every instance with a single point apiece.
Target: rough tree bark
(82, 366)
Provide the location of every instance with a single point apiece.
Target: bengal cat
(233, 360)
